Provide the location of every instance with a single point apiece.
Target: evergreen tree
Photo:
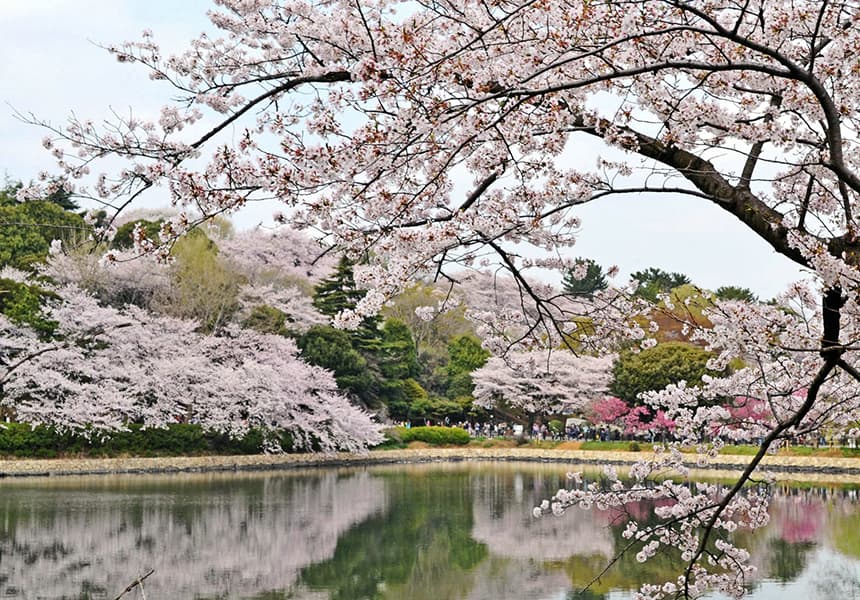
(339, 292)
(332, 349)
(465, 355)
(653, 281)
(63, 198)
(397, 357)
(733, 292)
(593, 280)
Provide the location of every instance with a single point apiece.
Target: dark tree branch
(134, 584)
(742, 203)
(332, 77)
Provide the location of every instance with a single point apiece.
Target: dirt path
(790, 467)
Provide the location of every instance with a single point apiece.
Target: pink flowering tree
(542, 384)
(280, 269)
(280, 254)
(641, 419)
(632, 420)
(109, 367)
(430, 136)
(607, 410)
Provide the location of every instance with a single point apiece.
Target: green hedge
(22, 440)
(436, 436)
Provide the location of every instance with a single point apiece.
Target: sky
(51, 66)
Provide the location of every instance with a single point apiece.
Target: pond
(433, 531)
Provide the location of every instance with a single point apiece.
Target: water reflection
(205, 537)
(418, 532)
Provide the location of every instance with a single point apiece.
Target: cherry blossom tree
(122, 280)
(280, 268)
(558, 383)
(280, 254)
(435, 135)
(264, 270)
(639, 419)
(109, 367)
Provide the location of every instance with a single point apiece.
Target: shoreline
(812, 468)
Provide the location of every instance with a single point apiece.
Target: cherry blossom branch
(832, 301)
(137, 582)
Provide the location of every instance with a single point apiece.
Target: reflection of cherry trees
(799, 519)
(836, 579)
(422, 532)
(640, 510)
(517, 534)
(510, 530)
(500, 579)
(217, 536)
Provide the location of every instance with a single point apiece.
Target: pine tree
(339, 292)
(654, 281)
(586, 284)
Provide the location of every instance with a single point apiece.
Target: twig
(134, 584)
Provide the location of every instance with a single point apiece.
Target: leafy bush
(435, 436)
(393, 439)
(22, 440)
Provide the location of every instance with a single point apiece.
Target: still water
(437, 532)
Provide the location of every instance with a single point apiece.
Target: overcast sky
(50, 65)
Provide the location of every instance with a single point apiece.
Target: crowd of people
(573, 430)
(582, 430)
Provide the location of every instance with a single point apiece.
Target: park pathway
(805, 468)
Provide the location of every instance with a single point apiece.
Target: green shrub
(634, 447)
(393, 439)
(22, 440)
(435, 435)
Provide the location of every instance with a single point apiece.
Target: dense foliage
(178, 439)
(654, 281)
(28, 228)
(435, 436)
(657, 367)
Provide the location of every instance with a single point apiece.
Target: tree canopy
(657, 367)
(28, 228)
(734, 292)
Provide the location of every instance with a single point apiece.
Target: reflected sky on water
(443, 531)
